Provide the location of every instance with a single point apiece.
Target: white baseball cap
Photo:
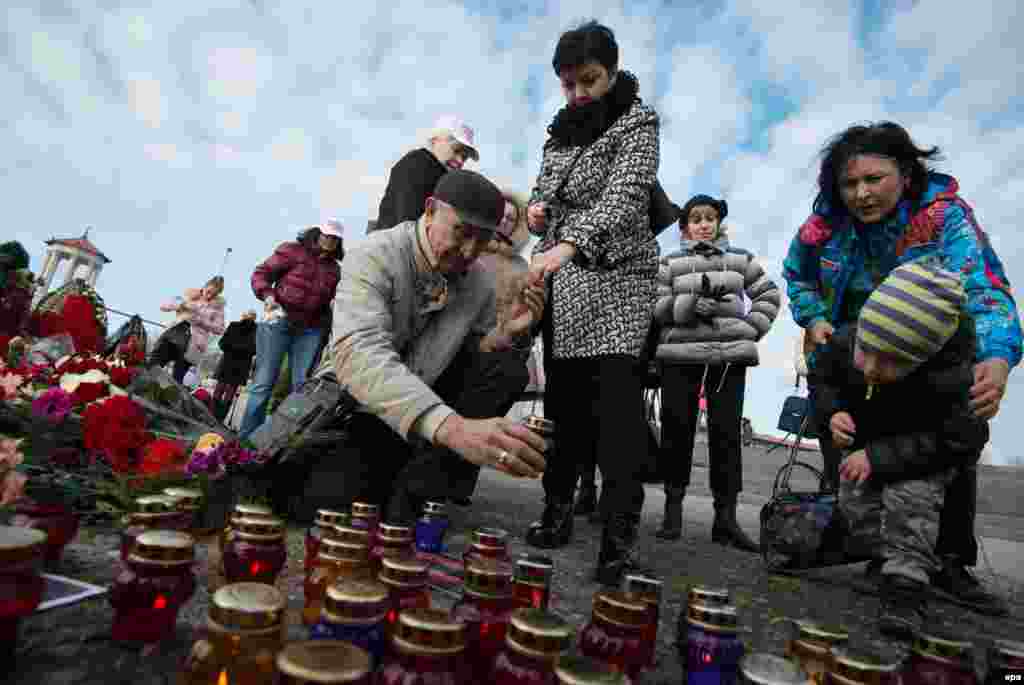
(460, 131)
(332, 227)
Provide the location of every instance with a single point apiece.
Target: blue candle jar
(713, 645)
(354, 611)
(431, 528)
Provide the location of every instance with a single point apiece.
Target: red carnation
(89, 392)
(117, 427)
(121, 376)
(162, 455)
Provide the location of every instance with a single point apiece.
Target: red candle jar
(325, 518)
(535, 639)
(426, 649)
(647, 590)
(244, 633)
(367, 517)
(157, 582)
(615, 632)
(485, 607)
(337, 560)
(581, 670)
(155, 512)
(190, 504)
(256, 551)
(849, 667)
(57, 521)
(708, 596)
(22, 551)
(811, 647)
(244, 511)
(323, 661)
(392, 541)
(938, 657)
(532, 584)
(491, 543)
(406, 581)
(1005, 658)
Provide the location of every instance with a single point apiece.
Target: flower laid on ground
(10, 383)
(54, 405)
(10, 454)
(218, 460)
(12, 483)
(117, 428)
(161, 456)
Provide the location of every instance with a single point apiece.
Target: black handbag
(796, 417)
(172, 344)
(662, 212)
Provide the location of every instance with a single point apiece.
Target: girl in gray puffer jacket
(714, 304)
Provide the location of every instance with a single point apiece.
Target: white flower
(69, 382)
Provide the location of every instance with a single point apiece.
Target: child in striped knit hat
(893, 389)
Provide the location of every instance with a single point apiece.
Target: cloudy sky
(183, 129)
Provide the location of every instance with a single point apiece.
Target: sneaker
(956, 583)
(902, 612)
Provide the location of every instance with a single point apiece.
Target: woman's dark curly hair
(309, 237)
(884, 138)
(589, 42)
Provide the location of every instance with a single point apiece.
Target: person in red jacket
(297, 285)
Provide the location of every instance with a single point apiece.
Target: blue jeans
(274, 339)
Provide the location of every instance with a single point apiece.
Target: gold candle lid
(403, 572)
(812, 631)
(259, 528)
(758, 668)
(534, 570)
(538, 633)
(1009, 648)
(332, 517)
(434, 508)
(645, 587)
(332, 550)
(165, 547)
(255, 511)
(323, 661)
(187, 497)
(356, 602)
(392, 534)
(490, 537)
(581, 670)
(619, 608)
(363, 509)
(18, 543)
(721, 618)
(428, 631)
(942, 644)
(343, 532)
(488, 578)
(539, 424)
(156, 504)
(247, 606)
(702, 594)
(862, 665)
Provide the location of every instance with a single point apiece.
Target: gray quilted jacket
(724, 274)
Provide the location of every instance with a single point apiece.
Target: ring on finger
(503, 457)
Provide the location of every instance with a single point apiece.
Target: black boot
(726, 530)
(618, 550)
(902, 612)
(672, 525)
(554, 528)
(586, 499)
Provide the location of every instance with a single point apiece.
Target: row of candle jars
(22, 554)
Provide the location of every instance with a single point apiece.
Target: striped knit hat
(913, 313)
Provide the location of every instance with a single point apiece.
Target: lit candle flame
(223, 678)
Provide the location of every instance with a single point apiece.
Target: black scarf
(583, 124)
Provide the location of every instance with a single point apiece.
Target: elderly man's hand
(498, 443)
(990, 377)
(550, 261)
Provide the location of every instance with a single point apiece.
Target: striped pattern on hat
(913, 313)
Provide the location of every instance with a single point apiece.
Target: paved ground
(72, 645)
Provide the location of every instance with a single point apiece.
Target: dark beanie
(700, 201)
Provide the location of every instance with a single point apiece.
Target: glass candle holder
(325, 518)
(323, 661)
(244, 511)
(431, 528)
(256, 551)
(190, 504)
(337, 560)
(154, 512)
(860, 667)
(392, 541)
(1005, 658)
(406, 581)
(155, 584)
(758, 668)
(355, 611)
(534, 641)
(615, 632)
(581, 670)
(58, 522)
(707, 596)
(811, 647)
(940, 657)
(648, 590)
(490, 543)
(713, 645)
(485, 607)
(426, 649)
(532, 584)
(366, 516)
(22, 553)
(244, 633)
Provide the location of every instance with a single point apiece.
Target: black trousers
(374, 464)
(594, 403)
(724, 389)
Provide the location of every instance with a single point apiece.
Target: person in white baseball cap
(449, 145)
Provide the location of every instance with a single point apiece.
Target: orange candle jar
(811, 648)
(325, 519)
(337, 560)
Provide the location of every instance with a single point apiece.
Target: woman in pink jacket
(203, 310)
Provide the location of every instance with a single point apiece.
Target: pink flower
(9, 384)
(54, 405)
(12, 487)
(10, 455)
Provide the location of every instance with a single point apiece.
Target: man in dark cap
(410, 299)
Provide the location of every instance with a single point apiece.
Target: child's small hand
(856, 467)
(843, 429)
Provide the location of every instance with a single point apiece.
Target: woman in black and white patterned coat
(707, 337)
(590, 208)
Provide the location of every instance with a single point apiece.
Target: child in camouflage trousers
(894, 390)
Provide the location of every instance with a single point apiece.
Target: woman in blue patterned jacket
(879, 205)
